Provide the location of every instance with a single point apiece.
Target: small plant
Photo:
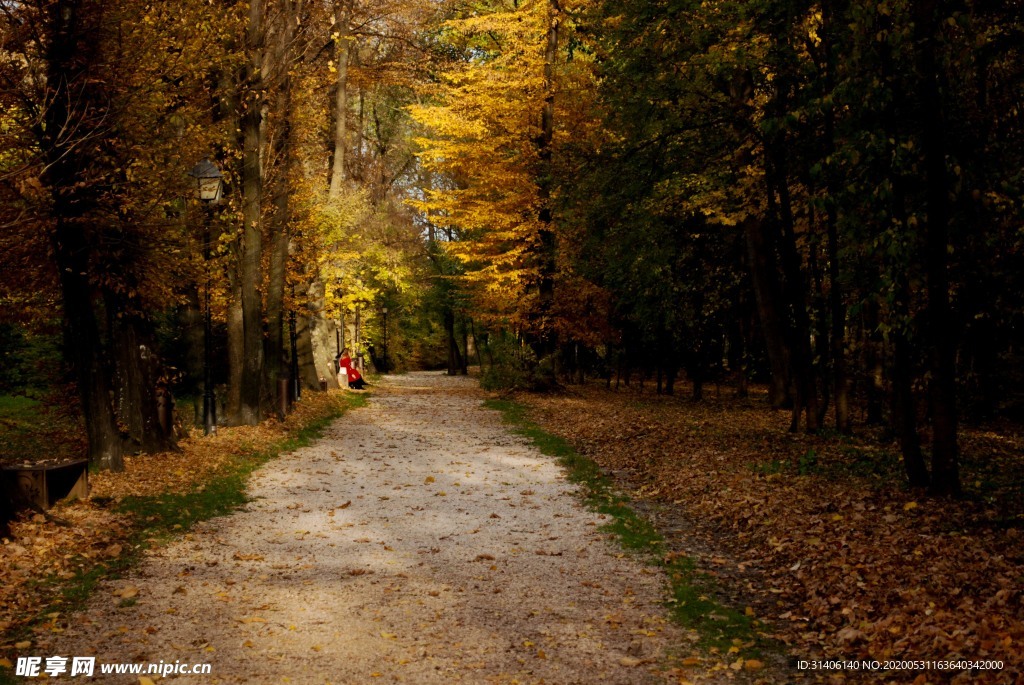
(808, 463)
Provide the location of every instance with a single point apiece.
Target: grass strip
(160, 518)
(691, 600)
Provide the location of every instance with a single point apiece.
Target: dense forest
(821, 198)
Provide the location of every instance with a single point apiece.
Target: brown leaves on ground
(836, 555)
(46, 550)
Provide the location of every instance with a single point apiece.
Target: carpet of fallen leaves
(45, 549)
(817, 534)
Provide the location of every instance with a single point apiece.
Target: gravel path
(418, 541)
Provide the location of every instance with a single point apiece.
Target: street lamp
(209, 188)
(385, 359)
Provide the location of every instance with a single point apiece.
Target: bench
(43, 484)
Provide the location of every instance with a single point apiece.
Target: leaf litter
(816, 535)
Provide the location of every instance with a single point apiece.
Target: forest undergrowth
(817, 535)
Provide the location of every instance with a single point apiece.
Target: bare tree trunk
(68, 99)
(830, 10)
(904, 413)
(544, 342)
(342, 21)
(277, 361)
(767, 292)
(873, 362)
(248, 376)
(455, 362)
(136, 383)
(941, 325)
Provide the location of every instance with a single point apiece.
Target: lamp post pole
(209, 401)
(209, 187)
(385, 359)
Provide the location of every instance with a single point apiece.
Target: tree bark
(941, 325)
(767, 293)
(277, 362)
(136, 382)
(455, 362)
(830, 12)
(69, 99)
(904, 412)
(342, 24)
(544, 342)
(248, 375)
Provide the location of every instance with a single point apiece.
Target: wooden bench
(43, 484)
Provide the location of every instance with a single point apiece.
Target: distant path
(418, 542)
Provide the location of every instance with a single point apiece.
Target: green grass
(691, 600)
(33, 429)
(161, 517)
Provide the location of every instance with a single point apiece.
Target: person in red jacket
(346, 371)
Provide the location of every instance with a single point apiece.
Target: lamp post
(384, 310)
(209, 188)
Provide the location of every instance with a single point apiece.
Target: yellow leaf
(388, 636)
(6, 663)
(428, 480)
(909, 505)
(629, 661)
(23, 645)
(736, 665)
(143, 680)
(753, 665)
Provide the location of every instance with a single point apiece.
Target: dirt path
(417, 542)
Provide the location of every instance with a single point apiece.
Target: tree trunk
(69, 97)
(464, 365)
(454, 356)
(136, 398)
(873, 362)
(767, 292)
(840, 382)
(544, 341)
(342, 20)
(322, 340)
(248, 376)
(904, 412)
(82, 340)
(280, 232)
(941, 325)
